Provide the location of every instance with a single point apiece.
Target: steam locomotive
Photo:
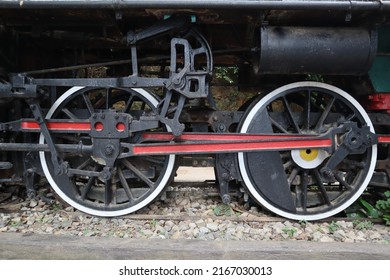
(106, 99)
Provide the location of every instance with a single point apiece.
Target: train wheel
(135, 181)
(290, 183)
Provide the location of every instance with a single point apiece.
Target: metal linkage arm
(159, 29)
(355, 141)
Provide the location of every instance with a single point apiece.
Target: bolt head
(109, 150)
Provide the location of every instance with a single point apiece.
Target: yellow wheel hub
(309, 158)
(308, 154)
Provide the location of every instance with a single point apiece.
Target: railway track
(239, 213)
(189, 210)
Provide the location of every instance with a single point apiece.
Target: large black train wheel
(289, 183)
(136, 182)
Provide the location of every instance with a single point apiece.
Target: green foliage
(384, 207)
(333, 226)
(315, 78)
(227, 74)
(55, 206)
(15, 224)
(364, 209)
(369, 210)
(303, 223)
(362, 225)
(223, 210)
(153, 224)
(290, 231)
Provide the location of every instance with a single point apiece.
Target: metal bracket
(37, 113)
(187, 80)
(110, 124)
(226, 171)
(159, 29)
(20, 87)
(355, 141)
(177, 128)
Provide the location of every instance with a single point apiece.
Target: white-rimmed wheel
(133, 182)
(290, 183)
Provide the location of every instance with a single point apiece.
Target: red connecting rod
(163, 143)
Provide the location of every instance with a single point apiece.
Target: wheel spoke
(324, 114)
(321, 187)
(87, 187)
(292, 176)
(290, 115)
(340, 179)
(287, 164)
(350, 117)
(128, 103)
(125, 185)
(69, 114)
(307, 111)
(88, 103)
(278, 126)
(138, 173)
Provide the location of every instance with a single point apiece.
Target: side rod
(232, 143)
(281, 143)
(165, 143)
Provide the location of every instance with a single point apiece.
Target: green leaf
(387, 219)
(381, 204)
(223, 210)
(371, 211)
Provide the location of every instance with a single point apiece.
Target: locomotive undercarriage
(110, 145)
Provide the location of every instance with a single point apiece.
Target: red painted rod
(383, 139)
(221, 147)
(238, 141)
(57, 126)
(193, 136)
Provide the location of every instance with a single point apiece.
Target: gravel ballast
(187, 214)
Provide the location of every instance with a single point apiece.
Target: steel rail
(187, 4)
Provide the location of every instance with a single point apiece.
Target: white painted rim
(94, 212)
(243, 168)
